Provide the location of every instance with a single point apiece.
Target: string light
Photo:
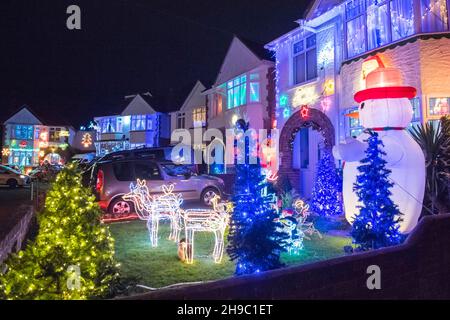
(204, 220)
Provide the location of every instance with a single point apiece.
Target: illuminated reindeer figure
(215, 220)
(156, 208)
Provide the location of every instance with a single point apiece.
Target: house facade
(244, 87)
(28, 141)
(138, 126)
(322, 63)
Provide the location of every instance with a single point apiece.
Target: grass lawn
(159, 267)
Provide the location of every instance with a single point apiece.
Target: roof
(318, 7)
(258, 49)
(44, 116)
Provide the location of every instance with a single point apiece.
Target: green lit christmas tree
(376, 226)
(72, 256)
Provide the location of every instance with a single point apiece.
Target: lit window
(138, 123)
(23, 132)
(377, 23)
(254, 87)
(415, 102)
(354, 125)
(199, 117)
(402, 19)
(438, 106)
(237, 92)
(356, 33)
(305, 60)
(434, 15)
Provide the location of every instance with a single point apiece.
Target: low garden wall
(417, 269)
(14, 239)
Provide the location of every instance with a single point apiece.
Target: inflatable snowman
(384, 107)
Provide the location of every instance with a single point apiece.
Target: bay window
(237, 92)
(305, 60)
(141, 123)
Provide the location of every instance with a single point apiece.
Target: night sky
(125, 47)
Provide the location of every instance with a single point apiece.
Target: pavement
(10, 200)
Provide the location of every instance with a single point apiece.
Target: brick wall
(418, 269)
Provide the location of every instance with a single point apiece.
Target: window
(147, 171)
(138, 123)
(54, 135)
(434, 15)
(377, 23)
(218, 104)
(354, 126)
(123, 171)
(175, 170)
(22, 158)
(237, 92)
(111, 125)
(438, 106)
(356, 35)
(402, 19)
(199, 117)
(415, 102)
(254, 87)
(181, 120)
(23, 132)
(305, 60)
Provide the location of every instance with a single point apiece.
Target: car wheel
(120, 208)
(208, 194)
(12, 183)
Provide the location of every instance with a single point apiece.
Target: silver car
(113, 179)
(12, 178)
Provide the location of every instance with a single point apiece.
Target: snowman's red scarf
(387, 128)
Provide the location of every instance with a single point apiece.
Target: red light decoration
(23, 144)
(304, 111)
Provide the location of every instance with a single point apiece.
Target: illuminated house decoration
(138, 126)
(349, 39)
(243, 86)
(167, 207)
(87, 140)
(27, 137)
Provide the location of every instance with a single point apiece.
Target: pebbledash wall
(417, 269)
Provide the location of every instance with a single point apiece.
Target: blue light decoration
(255, 240)
(376, 226)
(326, 197)
(283, 100)
(286, 113)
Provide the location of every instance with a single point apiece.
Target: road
(10, 200)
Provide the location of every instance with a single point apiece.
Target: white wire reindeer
(156, 208)
(204, 220)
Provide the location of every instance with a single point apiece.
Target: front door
(306, 155)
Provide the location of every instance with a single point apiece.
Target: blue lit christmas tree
(376, 226)
(256, 240)
(327, 191)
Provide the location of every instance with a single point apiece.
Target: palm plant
(435, 143)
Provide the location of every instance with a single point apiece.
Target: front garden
(160, 266)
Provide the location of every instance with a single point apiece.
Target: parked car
(45, 173)
(13, 178)
(111, 179)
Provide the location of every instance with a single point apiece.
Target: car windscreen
(10, 170)
(177, 170)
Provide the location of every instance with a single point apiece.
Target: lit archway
(304, 118)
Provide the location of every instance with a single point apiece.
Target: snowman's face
(381, 113)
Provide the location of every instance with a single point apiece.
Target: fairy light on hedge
(70, 234)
